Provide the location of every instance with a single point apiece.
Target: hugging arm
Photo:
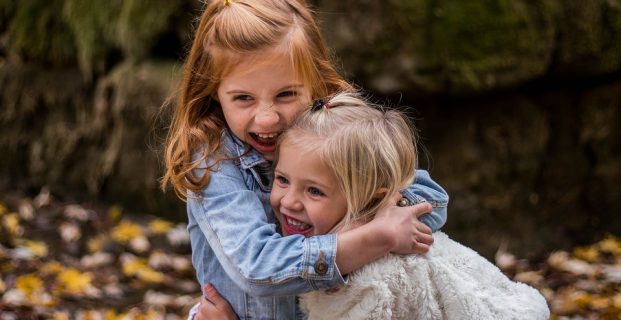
(423, 189)
(232, 220)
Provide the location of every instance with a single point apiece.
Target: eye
(282, 180)
(288, 93)
(242, 97)
(315, 192)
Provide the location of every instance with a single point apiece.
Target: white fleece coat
(451, 281)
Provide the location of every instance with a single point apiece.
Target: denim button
(320, 266)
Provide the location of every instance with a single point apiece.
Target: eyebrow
(295, 86)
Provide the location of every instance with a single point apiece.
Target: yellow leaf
(160, 226)
(53, 267)
(612, 245)
(73, 281)
(37, 248)
(28, 284)
(588, 253)
(115, 213)
(140, 269)
(11, 223)
(60, 315)
(110, 315)
(600, 303)
(126, 231)
(96, 244)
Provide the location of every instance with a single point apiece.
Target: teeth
(297, 224)
(267, 135)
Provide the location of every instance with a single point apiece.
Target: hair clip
(227, 2)
(319, 103)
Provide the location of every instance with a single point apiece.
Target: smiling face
(305, 197)
(260, 97)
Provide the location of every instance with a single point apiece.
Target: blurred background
(517, 103)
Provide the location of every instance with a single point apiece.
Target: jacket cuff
(320, 262)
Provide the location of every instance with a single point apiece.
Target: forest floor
(75, 261)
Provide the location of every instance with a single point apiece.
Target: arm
(233, 221)
(423, 189)
(262, 263)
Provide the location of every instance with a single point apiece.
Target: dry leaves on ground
(67, 261)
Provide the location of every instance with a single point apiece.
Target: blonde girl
(356, 157)
(253, 67)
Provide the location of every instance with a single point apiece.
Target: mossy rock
(97, 33)
(443, 46)
(35, 31)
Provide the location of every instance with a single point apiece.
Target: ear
(380, 193)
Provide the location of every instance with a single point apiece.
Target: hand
(214, 306)
(402, 224)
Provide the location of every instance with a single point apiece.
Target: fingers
(214, 306)
(422, 208)
(213, 295)
(423, 238)
(420, 248)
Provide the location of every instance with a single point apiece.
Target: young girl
(335, 142)
(253, 67)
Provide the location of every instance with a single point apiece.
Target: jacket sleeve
(253, 254)
(423, 189)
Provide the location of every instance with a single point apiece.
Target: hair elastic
(227, 2)
(319, 103)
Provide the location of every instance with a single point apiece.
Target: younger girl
(335, 142)
(253, 67)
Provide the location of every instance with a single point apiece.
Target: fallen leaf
(69, 231)
(126, 231)
(33, 248)
(137, 267)
(74, 282)
(28, 284)
(11, 223)
(76, 212)
(178, 235)
(140, 244)
(160, 226)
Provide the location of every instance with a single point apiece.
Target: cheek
(275, 196)
(294, 111)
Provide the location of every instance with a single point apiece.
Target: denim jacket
(237, 248)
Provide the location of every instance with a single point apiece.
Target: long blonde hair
(227, 32)
(371, 150)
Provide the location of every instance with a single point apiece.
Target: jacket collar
(235, 147)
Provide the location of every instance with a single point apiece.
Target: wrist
(380, 233)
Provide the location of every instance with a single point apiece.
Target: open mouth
(294, 226)
(264, 142)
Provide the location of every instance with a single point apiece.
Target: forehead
(236, 64)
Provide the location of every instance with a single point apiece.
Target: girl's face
(260, 98)
(305, 196)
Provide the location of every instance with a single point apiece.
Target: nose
(267, 117)
(291, 201)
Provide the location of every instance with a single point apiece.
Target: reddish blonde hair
(227, 32)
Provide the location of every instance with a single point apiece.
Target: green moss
(475, 41)
(141, 21)
(93, 25)
(37, 31)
